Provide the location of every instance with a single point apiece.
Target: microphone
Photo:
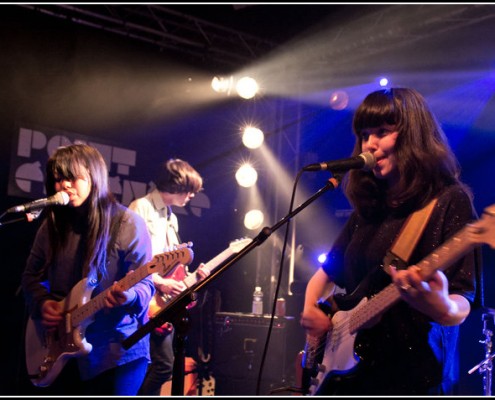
(59, 198)
(363, 161)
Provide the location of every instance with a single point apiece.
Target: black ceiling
(317, 45)
(215, 35)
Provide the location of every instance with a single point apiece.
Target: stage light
(252, 137)
(383, 82)
(322, 258)
(246, 176)
(339, 100)
(253, 219)
(222, 85)
(247, 87)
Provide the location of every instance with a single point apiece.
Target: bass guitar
(333, 354)
(47, 352)
(160, 300)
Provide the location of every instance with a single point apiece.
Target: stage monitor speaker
(238, 349)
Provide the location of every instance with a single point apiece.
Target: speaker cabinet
(238, 349)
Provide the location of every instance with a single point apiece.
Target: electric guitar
(334, 351)
(159, 300)
(47, 352)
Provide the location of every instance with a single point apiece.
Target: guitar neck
(97, 303)
(209, 266)
(161, 263)
(440, 259)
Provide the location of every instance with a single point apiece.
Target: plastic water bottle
(258, 301)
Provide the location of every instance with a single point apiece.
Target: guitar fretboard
(440, 259)
(161, 263)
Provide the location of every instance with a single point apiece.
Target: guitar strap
(172, 227)
(115, 227)
(117, 218)
(398, 255)
(405, 242)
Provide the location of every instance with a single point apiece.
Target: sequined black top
(405, 353)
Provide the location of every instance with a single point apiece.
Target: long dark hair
(71, 162)
(425, 160)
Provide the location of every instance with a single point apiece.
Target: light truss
(213, 44)
(219, 47)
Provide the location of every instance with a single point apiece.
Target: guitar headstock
(483, 230)
(238, 244)
(163, 263)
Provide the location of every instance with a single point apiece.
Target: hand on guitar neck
(52, 312)
(483, 230)
(173, 284)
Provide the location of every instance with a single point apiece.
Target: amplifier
(239, 342)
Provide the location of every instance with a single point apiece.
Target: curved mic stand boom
(176, 311)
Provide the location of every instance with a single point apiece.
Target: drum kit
(486, 365)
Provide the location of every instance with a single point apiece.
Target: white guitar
(159, 300)
(338, 345)
(48, 352)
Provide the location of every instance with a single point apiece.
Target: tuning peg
(183, 246)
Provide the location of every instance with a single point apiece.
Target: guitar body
(159, 300)
(48, 352)
(339, 358)
(312, 356)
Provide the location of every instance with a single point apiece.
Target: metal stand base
(485, 366)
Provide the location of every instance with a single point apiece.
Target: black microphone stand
(181, 327)
(175, 310)
(27, 217)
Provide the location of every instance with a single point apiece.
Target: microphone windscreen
(61, 198)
